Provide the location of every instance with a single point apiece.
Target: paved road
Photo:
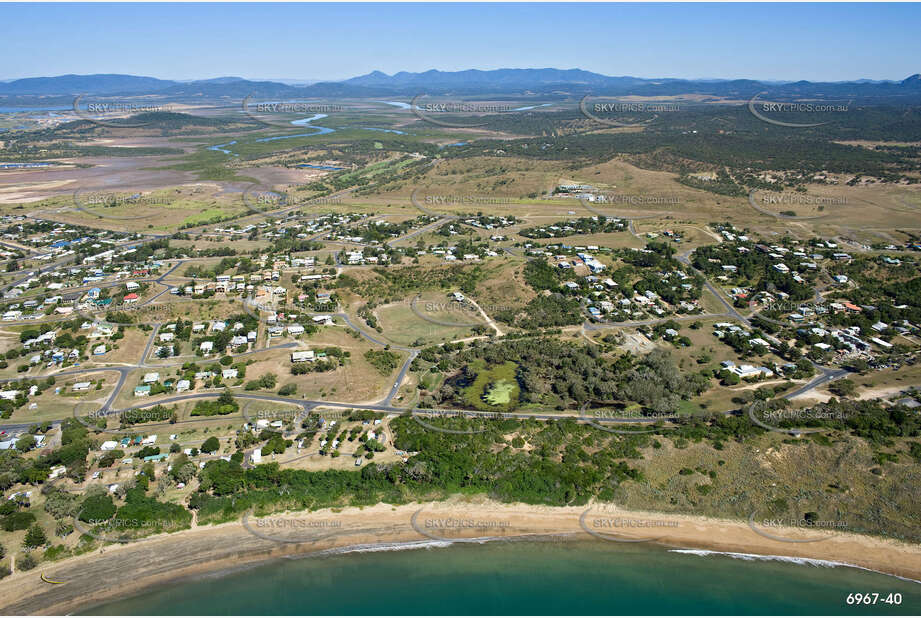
(826, 374)
(677, 318)
(388, 400)
(685, 259)
(421, 230)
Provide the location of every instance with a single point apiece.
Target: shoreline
(128, 569)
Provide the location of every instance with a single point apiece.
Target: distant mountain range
(504, 82)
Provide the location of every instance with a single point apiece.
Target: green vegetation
(384, 361)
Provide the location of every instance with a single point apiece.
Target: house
(302, 356)
(295, 329)
(206, 347)
(748, 371)
(81, 386)
(164, 337)
(142, 391)
(9, 395)
(257, 456)
(229, 374)
(151, 377)
(99, 350)
(131, 298)
(108, 445)
(94, 293)
(131, 286)
(182, 386)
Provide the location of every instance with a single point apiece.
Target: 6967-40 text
(872, 598)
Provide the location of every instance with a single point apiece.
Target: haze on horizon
(308, 42)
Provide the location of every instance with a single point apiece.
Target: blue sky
(326, 41)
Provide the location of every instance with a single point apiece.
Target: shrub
(18, 521)
(210, 445)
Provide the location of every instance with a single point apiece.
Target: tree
(18, 521)
(35, 537)
(210, 445)
(99, 507)
(25, 443)
(843, 388)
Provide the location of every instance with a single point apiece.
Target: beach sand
(120, 570)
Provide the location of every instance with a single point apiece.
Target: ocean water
(524, 577)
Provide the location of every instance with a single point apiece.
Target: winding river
(303, 122)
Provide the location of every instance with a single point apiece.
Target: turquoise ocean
(526, 577)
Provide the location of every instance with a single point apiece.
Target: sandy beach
(120, 570)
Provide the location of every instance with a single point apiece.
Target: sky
(816, 42)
